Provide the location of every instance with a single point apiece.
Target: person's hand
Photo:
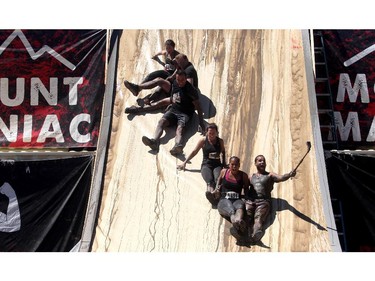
(181, 166)
(292, 174)
(216, 193)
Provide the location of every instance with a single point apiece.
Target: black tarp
(351, 179)
(43, 203)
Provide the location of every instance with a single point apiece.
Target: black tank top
(227, 186)
(263, 185)
(211, 153)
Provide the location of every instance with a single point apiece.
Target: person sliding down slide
(231, 186)
(213, 159)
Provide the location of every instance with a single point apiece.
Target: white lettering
(4, 92)
(11, 132)
(371, 134)
(37, 86)
(50, 129)
(56, 133)
(73, 84)
(28, 128)
(352, 124)
(73, 128)
(360, 85)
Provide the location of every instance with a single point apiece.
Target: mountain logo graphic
(359, 56)
(33, 54)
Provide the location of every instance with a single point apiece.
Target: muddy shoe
(134, 88)
(177, 149)
(211, 198)
(240, 226)
(132, 110)
(153, 144)
(257, 235)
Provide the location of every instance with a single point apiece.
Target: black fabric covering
(52, 197)
(352, 180)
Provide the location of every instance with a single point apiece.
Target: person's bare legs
(162, 124)
(155, 106)
(178, 147)
(135, 89)
(179, 132)
(155, 142)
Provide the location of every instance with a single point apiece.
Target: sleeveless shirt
(263, 185)
(227, 186)
(211, 153)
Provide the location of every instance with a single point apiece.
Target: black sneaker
(153, 144)
(211, 198)
(134, 88)
(240, 226)
(257, 235)
(177, 149)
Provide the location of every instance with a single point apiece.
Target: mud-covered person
(169, 53)
(181, 62)
(184, 101)
(258, 203)
(231, 187)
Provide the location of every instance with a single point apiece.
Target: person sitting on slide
(213, 159)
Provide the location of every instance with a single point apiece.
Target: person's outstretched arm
(192, 154)
(156, 57)
(281, 178)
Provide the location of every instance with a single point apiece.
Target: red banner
(351, 61)
(51, 87)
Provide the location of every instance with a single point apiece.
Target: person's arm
(192, 154)
(281, 178)
(246, 184)
(156, 57)
(200, 116)
(190, 80)
(217, 190)
(223, 156)
(173, 76)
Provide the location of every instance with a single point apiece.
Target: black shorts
(176, 117)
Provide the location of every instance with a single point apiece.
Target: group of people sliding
(177, 93)
(244, 201)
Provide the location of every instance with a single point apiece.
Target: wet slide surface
(254, 87)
